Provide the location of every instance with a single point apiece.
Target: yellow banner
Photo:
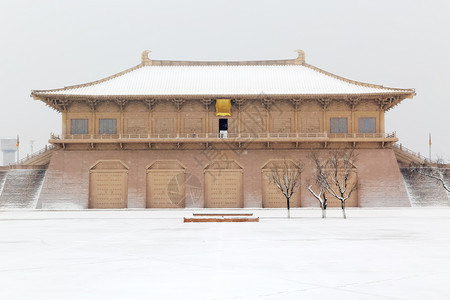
(223, 107)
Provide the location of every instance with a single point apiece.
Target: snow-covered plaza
(151, 254)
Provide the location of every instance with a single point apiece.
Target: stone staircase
(2, 179)
(425, 191)
(21, 188)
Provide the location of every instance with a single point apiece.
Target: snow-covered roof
(148, 79)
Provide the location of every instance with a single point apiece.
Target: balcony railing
(230, 137)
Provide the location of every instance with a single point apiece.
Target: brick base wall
(66, 185)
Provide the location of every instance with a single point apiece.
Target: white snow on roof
(222, 80)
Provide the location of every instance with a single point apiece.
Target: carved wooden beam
(387, 102)
(266, 103)
(150, 103)
(353, 102)
(296, 102)
(178, 103)
(325, 102)
(65, 103)
(121, 103)
(239, 101)
(92, 102)
(50, 103)
(206, 101)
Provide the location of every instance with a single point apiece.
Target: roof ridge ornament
(300, 60)
(146, 61)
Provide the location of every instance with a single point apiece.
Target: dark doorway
(223, 124)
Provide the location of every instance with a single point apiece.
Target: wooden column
(239, 103)
(206, 102)
(64, 123)
(383, 104)
(353, 121)
(150, 104)
(93, 103)
(296, 119)
(353, 102)
(150, 125)
(207, 119)
(64, 104)
(94, 127)
(324, 102)
(178, 103)
(121, 122)
(122, 103)
(296, 103)
(239, 119)
(178, 121)
(266, 104)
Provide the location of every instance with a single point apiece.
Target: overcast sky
(51, 44)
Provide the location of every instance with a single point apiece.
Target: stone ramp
(21, 188)
(425, 191)
(2, 179)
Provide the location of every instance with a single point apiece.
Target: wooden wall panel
(223, 189)
(108, 185)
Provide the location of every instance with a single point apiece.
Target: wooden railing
(33, 155)
(410, 152)
(194, 136)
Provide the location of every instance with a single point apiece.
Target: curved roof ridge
(360, 83)
(273, 62)
(81, 85)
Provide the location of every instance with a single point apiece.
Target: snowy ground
(374, 254)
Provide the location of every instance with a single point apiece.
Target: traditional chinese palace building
(174, 134)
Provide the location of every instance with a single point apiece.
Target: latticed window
(108, 126)
(367, 125)
(79, 126)
(338, 125)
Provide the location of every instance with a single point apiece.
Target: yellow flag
(223, 107)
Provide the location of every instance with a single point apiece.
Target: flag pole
(429, 144)
(17, 148)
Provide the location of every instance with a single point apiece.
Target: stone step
(425, 191)
(222, 215)
(21, 189)
(221, 219)
(2, 179)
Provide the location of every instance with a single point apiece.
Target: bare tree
(286, 176)
(340, 166)
(436, 171)
(321, 180)
(333, 175)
